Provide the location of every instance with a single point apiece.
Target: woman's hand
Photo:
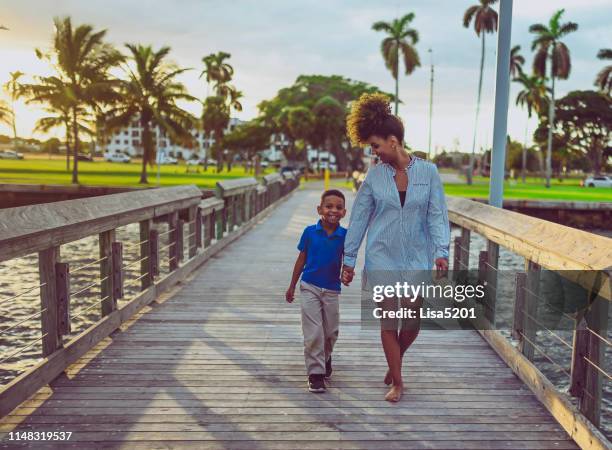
(441, 268)
(347, 275)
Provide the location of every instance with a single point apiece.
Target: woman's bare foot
(395, 393)
(388, 378)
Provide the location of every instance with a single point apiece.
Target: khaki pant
(320, 319)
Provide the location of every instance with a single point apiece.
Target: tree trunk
(482, 59)
(551, 120)
(75, 162)
(524, 156)
(14, 121)
(146, 151)
(67, 146)
(397, 82)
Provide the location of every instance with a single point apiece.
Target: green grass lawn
(533, 189)
(109, 174)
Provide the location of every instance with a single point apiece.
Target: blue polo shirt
(323, 256)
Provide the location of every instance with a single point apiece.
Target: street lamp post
(431, 83)
(502, 92)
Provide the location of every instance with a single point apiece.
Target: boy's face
(332, 209)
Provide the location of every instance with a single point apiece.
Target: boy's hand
(347, 275)
(290, 294)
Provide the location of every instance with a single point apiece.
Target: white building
(129, 140)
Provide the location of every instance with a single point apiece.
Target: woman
(401, 204)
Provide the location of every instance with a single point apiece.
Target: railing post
(221, 223)
(532, 285)
(47, 260)
(153, 254)
(106, 240)
(145, 254)
(518, 325)
(595, 323)
(180, 242)
(491, 278)
(117, 275)
(192, 213)
(198, 230)
(62, 287)
(172, 240)
(209, 232)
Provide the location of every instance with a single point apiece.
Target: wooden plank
(153, 254)
(145, 254)
(591, 398)
(105, 242)
(518, 325)
(173, 252)
(118, 275)
(197, 231)
(51, 337)
(567, 415)
(62, 287)
(530, 314)
(33, 228)
(180, 241)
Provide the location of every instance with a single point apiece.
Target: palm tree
(12, 87)
(604, 77)
(216, 70)
(548, 45)
(485, 21)
(54, 94)
(150, 93)
(534, 96)
(401, 39)
(5, 113)
(82, 61)
(516, 62)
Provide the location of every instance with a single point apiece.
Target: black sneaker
(316, 383)
(328, 368)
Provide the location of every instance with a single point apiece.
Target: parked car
(10, 154)
(117, 157)
(84, 157)
(598, 181)
(165, 159)
(200, 162)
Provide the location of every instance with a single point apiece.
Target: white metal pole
(502, 92)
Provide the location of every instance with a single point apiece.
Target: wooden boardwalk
(218, 363)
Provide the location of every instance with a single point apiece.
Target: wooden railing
(195, 229)
(579, 256)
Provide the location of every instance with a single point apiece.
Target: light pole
(502, 92)
(431, 83)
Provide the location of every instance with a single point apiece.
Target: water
(20, 274)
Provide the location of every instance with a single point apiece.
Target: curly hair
(371, 116)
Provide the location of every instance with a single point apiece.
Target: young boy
(321, 248)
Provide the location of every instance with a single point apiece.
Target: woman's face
(385, 149)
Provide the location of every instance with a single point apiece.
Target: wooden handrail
(29, 229)
(43, 228)
(579, 256)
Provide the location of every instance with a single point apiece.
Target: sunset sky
(273, 41)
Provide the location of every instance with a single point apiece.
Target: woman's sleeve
(363, 208)
(437, 217)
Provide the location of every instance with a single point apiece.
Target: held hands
(347, 275)
(290, 294)
(441, 268)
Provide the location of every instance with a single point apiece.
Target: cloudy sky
(274, 41)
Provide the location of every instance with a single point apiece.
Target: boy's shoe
(328, 368)
(316, 383)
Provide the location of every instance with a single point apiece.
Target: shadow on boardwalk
(218, 364)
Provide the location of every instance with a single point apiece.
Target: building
(129, 140)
